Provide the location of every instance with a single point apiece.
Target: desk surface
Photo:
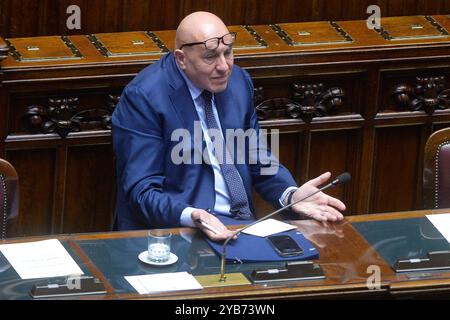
(347, 251)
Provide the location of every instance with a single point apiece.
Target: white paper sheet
(267, 227)
(40, 259)
(442, 223)
(162, 282)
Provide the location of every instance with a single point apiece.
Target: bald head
(207, 67)
(199, 26)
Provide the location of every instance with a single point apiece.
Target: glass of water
(159, 245)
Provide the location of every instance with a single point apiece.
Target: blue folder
(249, 248)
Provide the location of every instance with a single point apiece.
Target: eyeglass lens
(213, 43)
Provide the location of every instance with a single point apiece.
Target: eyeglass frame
(234, 34)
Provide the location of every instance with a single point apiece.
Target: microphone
(342, 178)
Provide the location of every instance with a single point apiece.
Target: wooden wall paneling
(439, 126)
(261, 10)
(134, 14)
(402, 8)
(288, 11)
(291, 152)
(36, 170)
(363, 182)
(305, 158)
(60, 190)
(4, 11)
(336, 151)
(90, 189)
(26, 18)
(4, 106)
(397, 158)
(369, 100)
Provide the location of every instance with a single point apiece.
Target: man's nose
(221, 63)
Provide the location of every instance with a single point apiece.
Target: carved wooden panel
(428, 94)
(309, 101)
(310, 96)
(424, 90)
(63, 114)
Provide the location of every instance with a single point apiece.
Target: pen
(207, 226)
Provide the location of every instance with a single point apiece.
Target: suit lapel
(182, 102)
(180, 97)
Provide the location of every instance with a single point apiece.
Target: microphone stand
(341, 178)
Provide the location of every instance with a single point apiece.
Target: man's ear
(180, 58)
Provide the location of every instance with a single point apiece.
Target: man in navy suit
(197, 89)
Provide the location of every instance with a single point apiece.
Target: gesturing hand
(320, 206)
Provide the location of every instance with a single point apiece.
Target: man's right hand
(220, 230)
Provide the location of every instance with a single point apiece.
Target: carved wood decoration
(62, 116)
(309, 101)
(428, 94)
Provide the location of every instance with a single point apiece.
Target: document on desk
(162, 282)
(268, 227)
(40, 259)
(442, 223)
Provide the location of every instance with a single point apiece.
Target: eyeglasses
(212, 44)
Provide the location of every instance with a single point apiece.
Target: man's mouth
(221, 78)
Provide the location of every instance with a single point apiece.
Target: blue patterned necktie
(239, 206)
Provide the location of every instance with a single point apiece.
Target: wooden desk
(345, 257)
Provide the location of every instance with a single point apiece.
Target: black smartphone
(285, 246)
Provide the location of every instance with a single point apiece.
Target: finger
(332, 214)
(214, 236)
(336, 203)
(219, 234)
(220, 231)
(320, 179)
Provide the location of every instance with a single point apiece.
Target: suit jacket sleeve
(140, 149)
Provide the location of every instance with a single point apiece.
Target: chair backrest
(9, 196)
(436, 173)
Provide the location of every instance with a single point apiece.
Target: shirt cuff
(285, 193)
(186, 219)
